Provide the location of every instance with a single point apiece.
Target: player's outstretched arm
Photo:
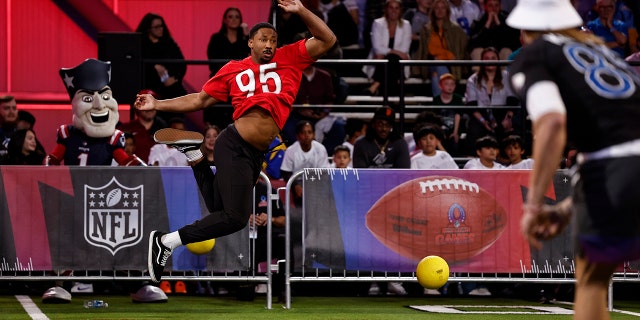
(323, 38)
(186, 103)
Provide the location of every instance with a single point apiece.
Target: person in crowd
(306, 152)
(354, 129)
(8, 122)
(165, 79)
(273, 158)
(487, 149)
(330, 130)
(341, 157)
(382, 146)
(343, 18)
(613, 31)
(418, 17)
(92, 139)
(316, 88)
(373, 9)
(514, 150)
(464, 13)
(230, 42)
(22, 149)
(261, 107)
(598, 115)
(143, 127)
(26, 120)
(625, 11)
(451, 118)
(167, 156)
(487, 87)
(441, 39)
(427, 139)
(211, 134)
(129, 144)
(390, 39)
(491, 30)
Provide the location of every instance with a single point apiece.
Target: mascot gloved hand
(92, 139)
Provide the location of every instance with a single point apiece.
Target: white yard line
(31, 308)
(534, 309)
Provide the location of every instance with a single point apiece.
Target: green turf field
(307, 308)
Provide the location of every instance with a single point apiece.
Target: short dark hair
(353, 125)
(176, 120)
(128, 135)
(4, 99)
(300, 125)
(259, 26)
(342, 147)
(513, 140)
(418, 133)
(487, 142)
(27, 116)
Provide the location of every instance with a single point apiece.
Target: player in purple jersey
(577, 90)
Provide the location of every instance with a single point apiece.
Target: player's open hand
(292, 6)
(145, 101)
(543, 222)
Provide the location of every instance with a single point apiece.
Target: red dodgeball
(437, 215)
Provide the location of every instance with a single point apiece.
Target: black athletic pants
(229, 193)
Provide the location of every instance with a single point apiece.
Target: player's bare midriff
(257, 127)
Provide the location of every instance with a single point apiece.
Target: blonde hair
(575, 34)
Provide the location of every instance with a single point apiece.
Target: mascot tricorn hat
(91, 75)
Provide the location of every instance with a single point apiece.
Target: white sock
(171, 240)
(193, 155)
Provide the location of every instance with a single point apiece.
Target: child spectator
(450, 117)
(513, 148)
(427, 139)
(304, 153)
(487, 150)
(354, 129)
(341, 157)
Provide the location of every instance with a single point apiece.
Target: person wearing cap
(92, 139)
(427, 139)
(577, 91)
(382, 146)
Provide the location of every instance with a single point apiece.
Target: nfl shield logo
(113, 215)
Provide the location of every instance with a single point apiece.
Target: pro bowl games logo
(113, 215)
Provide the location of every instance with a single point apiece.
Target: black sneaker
(158, 255)
(180, 139)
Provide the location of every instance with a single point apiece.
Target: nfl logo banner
(113, 215)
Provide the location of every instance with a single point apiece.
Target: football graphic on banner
(437, 215)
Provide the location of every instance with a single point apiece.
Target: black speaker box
(124, 50)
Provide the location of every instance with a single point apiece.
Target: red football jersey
(272, 86)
